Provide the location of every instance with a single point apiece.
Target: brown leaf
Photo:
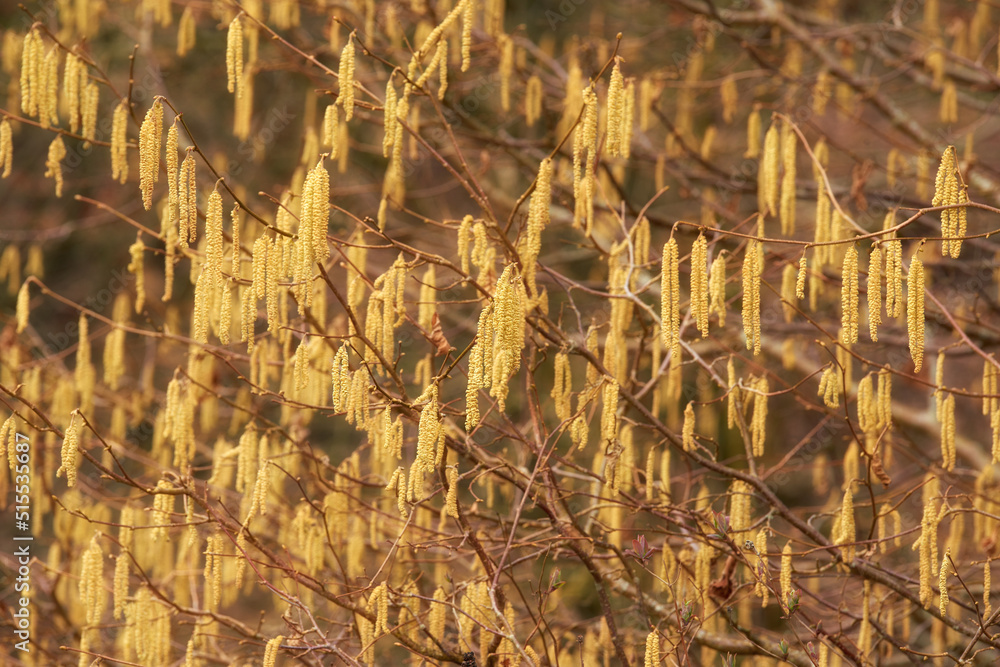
(880, 472)
(437, 337)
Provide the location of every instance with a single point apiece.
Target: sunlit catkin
(948, 433)
(234, 56)
(21, 310)
(53, 163)
(345, 98)
(670, 298)
(6, 148)
(687, 432)
(753, 135)
(787, 200)
(70, 456)
(91, 585)
(758, 424)
(849, 296)
(767, 178)
(786, 573)
(451, 498)
(615, 111)
(652, 658)
(846, 530)
(752, 266)
(609, 412)
(150, 135)
(717, 288)
(468, 17)
(271, 651)
(119, 143)
(699, 284)
(915, 311)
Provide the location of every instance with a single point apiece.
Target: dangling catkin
(699, 284)
(271, 651)
(874, 288)
(150, 135)
(652, 658)
(752, 265)
(21, 309)
(758, 425)
(948, 433)
(688, 429)
(787, 202)
(6, 148)
(53, 164)
(767, 180)
(915, 311)
(753, 135)
(119, 143)
(345, 98)
(849, 296)
(70, 456)
(717, 288)
(670, 298)
(234, 56)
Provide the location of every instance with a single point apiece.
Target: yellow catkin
(468, 17)
(829, 387)
(91, 584)
(987, 608)
(451, 499)
(915, 311)
(615, 111)
(6, 148)
(186, 31)
(788, 298)
(927, 544)
(53, 163)
(948, 109)
(752, 265)
(119, 143)
(729, 95)
(753, 135)
(767, 179)
(699, 284)
(874, 288)
(21, 310)
(758, 426)
(849, 296)
(652, 658)
(150, 135)
(670, 298)
(688, 429)
(717, 288)
(763, 575)
(533, 100)
(894, 278)
(234, 56)
(948, 433)
(71, 89)
(120, 587)
(562, 387)
(943, 582)
(786, 573)
(271, 651)
(48, 106)
(787, 199)
(734, 394)
(609, 412)
(70, 456)
(538, 219)
(345, 98)
(846, 530)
